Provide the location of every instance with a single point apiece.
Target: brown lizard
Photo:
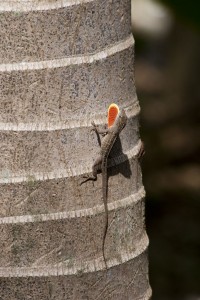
(109, 137)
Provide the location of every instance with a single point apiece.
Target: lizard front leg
(95, 168)
(96, 128)
(99, 131)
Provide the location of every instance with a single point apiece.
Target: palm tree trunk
(62, 64)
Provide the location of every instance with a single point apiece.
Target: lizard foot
(141, 152)
(87, 178)
(94, 127)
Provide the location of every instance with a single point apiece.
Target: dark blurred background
(167, 63)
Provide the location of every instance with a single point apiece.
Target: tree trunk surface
(61, 64)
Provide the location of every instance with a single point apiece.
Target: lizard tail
(105, 195)
(104, 239)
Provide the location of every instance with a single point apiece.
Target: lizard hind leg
(95, 168)
(87, 178)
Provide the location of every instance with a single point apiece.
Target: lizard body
(110, 136)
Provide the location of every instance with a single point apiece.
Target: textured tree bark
(62, 64)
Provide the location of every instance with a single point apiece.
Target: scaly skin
(110, 136)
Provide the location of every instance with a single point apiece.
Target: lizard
(110, 135)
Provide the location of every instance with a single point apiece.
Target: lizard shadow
(118, 161)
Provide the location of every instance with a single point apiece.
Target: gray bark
(62, 64)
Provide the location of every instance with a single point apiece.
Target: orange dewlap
(113, 111)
